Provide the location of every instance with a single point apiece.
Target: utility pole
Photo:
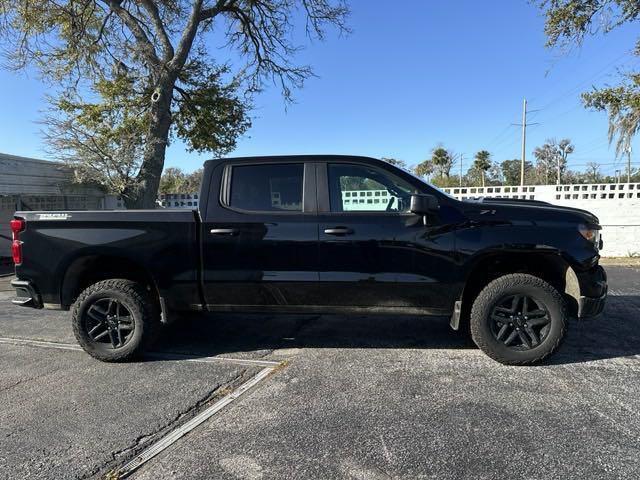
(461, 157)
(524, 140)
(629, 164)
(524, 125)
(558, 180)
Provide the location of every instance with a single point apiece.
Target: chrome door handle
(338, 231)
(224, 231)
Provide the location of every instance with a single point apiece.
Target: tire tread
(139, 296)
(494, 290)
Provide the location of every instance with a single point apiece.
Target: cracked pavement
(361, 398)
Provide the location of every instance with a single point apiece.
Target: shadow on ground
(613, 334)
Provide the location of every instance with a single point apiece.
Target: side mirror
(423, 204)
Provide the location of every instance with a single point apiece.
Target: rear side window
(269, 187)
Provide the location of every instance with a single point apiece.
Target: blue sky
(406, 80)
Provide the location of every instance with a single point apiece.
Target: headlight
(591, 233)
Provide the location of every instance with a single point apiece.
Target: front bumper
(593, 284)
(26, 294)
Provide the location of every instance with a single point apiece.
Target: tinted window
(267, 187)
(366, 189)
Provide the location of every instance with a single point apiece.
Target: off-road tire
(142, 309)
(518, 284)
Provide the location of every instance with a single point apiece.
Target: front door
(373, 251)
(260, 238)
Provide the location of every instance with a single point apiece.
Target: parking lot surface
(358, 398)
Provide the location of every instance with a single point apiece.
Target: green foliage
(511, 171)
(423, 169)
(592, 175)
(623, 106)
(450, 181)
(210, 115)
(482, 160)
(174, 180)
(568, 22)
(442, 161)
(439, 164)
(398, 163)
(481, 164)
(103, 141)
(551, 157)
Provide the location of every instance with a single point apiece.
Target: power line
(587, 80)
(492, 143)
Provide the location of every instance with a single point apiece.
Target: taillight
(16, 252)
(17, 225)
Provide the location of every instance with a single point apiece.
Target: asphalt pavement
(355, 398)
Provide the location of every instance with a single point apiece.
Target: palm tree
(442, 160)
(482, 163)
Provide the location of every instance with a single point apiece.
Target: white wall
(616, 205)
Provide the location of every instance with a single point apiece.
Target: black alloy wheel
(520, 322)
(109, 322)
(518, 319)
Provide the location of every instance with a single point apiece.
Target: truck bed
(162, 243)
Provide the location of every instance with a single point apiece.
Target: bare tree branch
(188, 34)
(152, 9)
(136, 30)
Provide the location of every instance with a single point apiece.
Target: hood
(512, 209)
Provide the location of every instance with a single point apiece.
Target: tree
(511, 170)
(193, 181)
(423, 169)
(568, 22)
(623, 106)
(174, 180)
(442, 161)
(145, 69)
(592, 174)
(482, 164)
(563, 148)
(398, 163)
(552, 156)
(545, 160)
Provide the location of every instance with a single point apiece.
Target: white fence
(617, 205)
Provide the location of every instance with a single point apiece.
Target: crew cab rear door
(260, 234)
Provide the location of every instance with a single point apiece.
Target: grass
(632, 261)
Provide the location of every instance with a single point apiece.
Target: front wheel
(518, 319)
(114, 320)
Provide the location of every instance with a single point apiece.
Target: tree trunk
(144, 192)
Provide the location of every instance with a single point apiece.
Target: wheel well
(88, 270)
(549, 267)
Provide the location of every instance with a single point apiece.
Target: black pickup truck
(316, 234)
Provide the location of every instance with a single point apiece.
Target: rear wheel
(114, 320)
(518, 319)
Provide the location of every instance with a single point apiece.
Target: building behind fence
(31, 184)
